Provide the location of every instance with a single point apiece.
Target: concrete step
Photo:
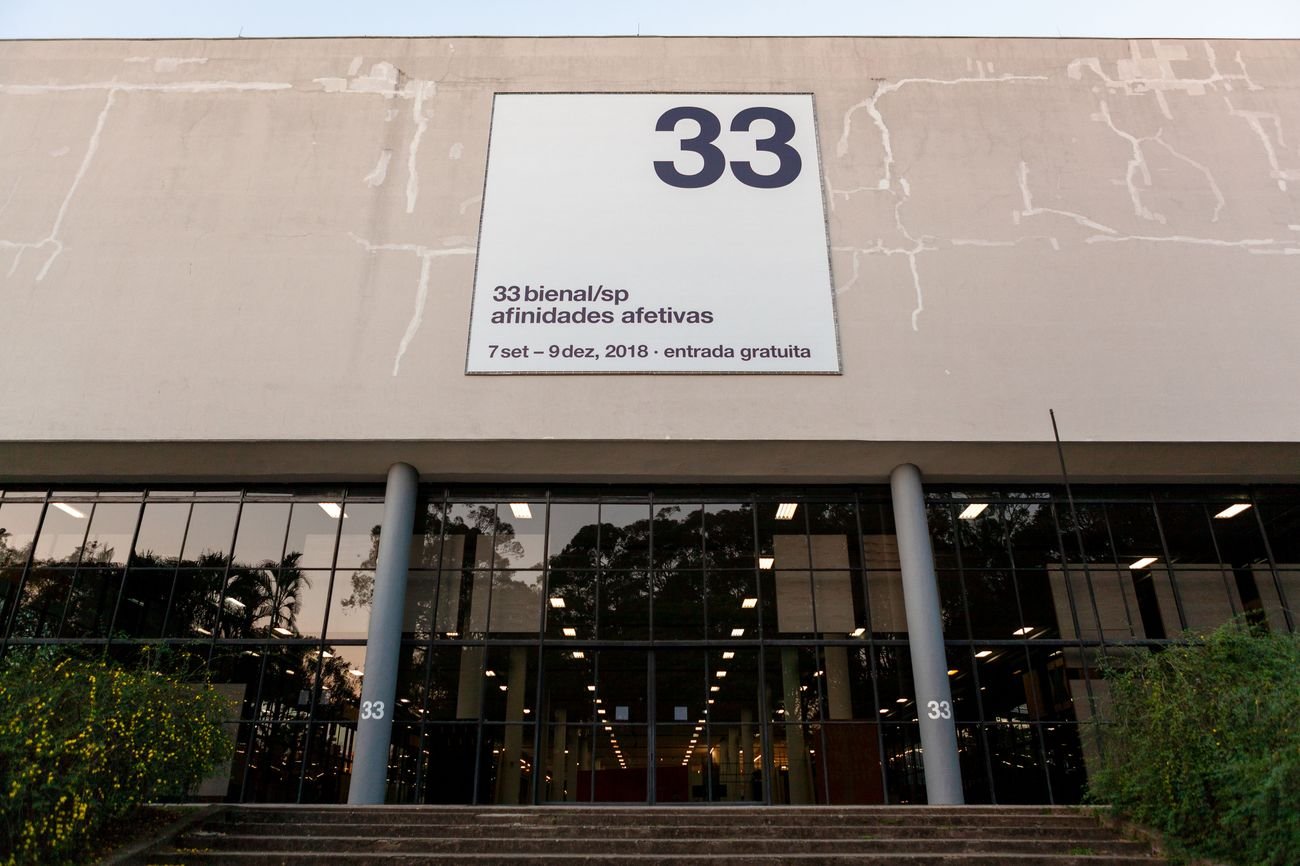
(720, 830)
(641, 836)
(302, 858)
(597, 845)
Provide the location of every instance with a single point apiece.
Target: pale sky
(62, 19)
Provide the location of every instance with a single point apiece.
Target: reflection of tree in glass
(363, 582)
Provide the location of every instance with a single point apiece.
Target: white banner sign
(653, 233)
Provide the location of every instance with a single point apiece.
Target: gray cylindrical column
(383, 646)
(925, 634)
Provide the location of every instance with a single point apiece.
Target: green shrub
(84, 743)
(1205, 745)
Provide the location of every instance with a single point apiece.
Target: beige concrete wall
(225, 240)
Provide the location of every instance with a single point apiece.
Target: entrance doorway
(652, 726)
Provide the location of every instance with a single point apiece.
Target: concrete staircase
(641, 836)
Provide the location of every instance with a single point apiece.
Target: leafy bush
(1205, 745)
(83, 743)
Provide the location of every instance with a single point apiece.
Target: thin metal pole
(383, 645)
(925, 634)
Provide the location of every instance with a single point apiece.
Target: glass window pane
(194, 602)
(93, 599)
(162, 532)
(1209, 598)
(624, 606)
(18, 524)
(112, 527)
(261, 534)
(729, 535)
(418, 608)
(312, 533)
(521, 535)
(143, 607)
(888, 614)
(211, 529)
(679, 605)
(359, 536)
(506, 765)
(572, 534)
(516, 604)
(349, 616)
(732, 605)
(624, 535)
(62, 532)
(571, 604)
(44, 596)
(509, 693)
(1188, 537)
(679, 536)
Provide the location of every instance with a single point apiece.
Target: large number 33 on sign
(715, 162)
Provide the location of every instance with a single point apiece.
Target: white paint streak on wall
(52, 239)
(60, 151)
(457, 151)
(126, 87)
(1138, 163)
(1029, 210)
(380, 171)
(171, 64)
(355, 66)
(112, 88)
(1140, 76)
(1255, 119)
(427, 255)
(870, 106)
(424, 90)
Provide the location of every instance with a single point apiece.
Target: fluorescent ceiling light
(953, 672)
(356, 672)
(737, 632)
(975, 509)
(235, 602)
(882, 712)
(557, 601)
(281, 630)
(983, 654)
(1232, 510)
(333, 509)
(749, 603)
(489, 673)
(858, 632)
(503, 687)
(579, 654)
(569, 631)
(201, 630)
(1024, 629)
(453, 634)
(68, 509)
(591, 688)
(785, 511)
(766, 561)
(1142, 563)
(728, 654)
(720, 674)
(326, 654)
(901, 701)
(715, 688)
(521, 510)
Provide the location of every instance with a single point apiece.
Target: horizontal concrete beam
(600, 461)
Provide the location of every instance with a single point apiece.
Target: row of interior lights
(784, 511)
(975, 509)
(521, 511)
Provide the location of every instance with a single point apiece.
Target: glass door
(597, 745)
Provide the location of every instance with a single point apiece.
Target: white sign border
(826, 226)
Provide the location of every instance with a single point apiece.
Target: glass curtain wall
(671, 646)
